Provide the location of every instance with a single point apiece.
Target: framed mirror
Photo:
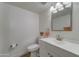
(62, 19)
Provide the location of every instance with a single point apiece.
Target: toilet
(34, 50)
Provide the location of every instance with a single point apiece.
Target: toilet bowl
(34, 49)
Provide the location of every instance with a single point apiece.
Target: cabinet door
(45, 52)
(52, 54)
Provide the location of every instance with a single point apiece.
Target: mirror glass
(61, 17)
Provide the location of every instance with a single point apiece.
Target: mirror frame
(70, 20)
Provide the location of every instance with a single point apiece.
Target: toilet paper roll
(13, 45)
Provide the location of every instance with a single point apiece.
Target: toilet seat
(33, 47)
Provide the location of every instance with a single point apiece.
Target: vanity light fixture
(59, 6)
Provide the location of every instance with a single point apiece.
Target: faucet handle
(59, 37)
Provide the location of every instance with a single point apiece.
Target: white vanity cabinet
(48, 50)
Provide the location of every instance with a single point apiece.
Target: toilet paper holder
(13, 45)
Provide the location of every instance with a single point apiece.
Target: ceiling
(36, 7)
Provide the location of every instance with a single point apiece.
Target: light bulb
(59, 6)
(60, 9)
(67, 4)
(53, 10)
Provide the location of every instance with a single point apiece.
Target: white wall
(19, 26)
(1, 27)
(45, 20)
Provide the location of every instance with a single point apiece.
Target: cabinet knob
(50, 55)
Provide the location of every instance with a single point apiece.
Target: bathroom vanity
(50, 47)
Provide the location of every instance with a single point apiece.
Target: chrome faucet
(58, 37)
